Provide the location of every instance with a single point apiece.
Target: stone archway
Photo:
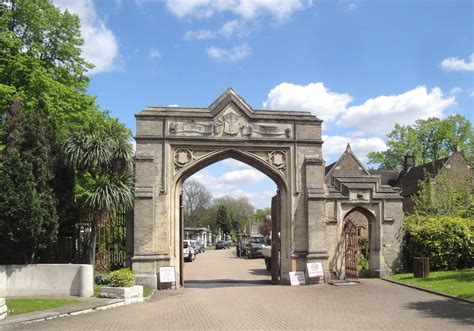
(364, 222)
(174, 142)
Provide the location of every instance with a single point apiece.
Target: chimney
(409, 162)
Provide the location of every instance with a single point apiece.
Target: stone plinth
(130, 294)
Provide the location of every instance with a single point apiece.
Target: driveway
(224, 292)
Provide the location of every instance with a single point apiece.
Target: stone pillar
(143, 260)
(317, 245)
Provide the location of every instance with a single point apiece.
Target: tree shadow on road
(260, 272)
(460, 312)
(214, 283)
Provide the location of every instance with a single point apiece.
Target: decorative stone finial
(348, 148)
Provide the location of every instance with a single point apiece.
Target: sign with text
(315, 269)
(167, 275)
(297, 278)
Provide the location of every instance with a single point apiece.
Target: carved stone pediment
(230, 122)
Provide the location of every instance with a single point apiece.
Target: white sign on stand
(315, 270)
(297, 278)
(167, 275)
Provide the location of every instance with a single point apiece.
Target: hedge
(447, 241)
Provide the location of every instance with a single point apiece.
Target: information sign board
(297, 278)
(315, 269)
(167, 275)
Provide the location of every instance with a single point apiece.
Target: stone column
(317, 246)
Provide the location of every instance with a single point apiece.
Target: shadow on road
(260, 272)
(461, 312)
(214, 283)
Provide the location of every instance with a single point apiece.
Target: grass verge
(459, 283)
(18, 306)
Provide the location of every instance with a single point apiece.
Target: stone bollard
(3, 309)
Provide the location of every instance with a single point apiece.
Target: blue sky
(361, 66)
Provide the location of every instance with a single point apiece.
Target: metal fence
(74, 240)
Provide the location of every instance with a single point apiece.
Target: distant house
(455, 166)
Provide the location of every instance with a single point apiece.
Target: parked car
(220, 244)
(188, 251)
(227, 243)
(254, 247)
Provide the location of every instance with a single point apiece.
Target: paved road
(224, 292)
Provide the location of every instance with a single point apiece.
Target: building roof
(408, 180)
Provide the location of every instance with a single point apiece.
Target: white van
(188, 251)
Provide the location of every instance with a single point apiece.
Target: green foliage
(444, 196)
(362, 265)
(102, 162)
(428, 140)
(40, 58)
(28, 217)
(447, 241)
(121, 278)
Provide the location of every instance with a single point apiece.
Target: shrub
(447, 241)
(121, 278)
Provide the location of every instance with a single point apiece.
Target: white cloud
(281, 10)
(248, 176)
(456, 90)
(245, 181)
(228, 29)
(237, 53)
(100, 45)
(378, 115)
(314, 97)
(457, 64)
(199, 34)
(334, 146)
(154, 54)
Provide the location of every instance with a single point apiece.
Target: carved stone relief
(229, 123)
(277, 159)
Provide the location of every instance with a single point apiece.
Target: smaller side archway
(359, 233)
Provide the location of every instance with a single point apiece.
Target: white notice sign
(297, 278)
(167, 275)
(315, 269)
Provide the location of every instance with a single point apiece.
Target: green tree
(222, 220)
(28, 217)
(444, 195)
(428, 140)
(40, 58)
(103, 164)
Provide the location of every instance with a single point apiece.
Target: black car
(220, 244)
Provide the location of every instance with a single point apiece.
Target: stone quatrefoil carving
(276, 158)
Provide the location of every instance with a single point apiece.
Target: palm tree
(102, 161)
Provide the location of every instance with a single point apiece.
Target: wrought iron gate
(111, 253)
(351, 249)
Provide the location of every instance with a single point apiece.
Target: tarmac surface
(225, 292)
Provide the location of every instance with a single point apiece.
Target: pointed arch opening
(358, 230)
(279, 211)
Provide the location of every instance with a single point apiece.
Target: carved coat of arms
(228, 124)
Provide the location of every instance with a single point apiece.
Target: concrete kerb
(427, 290)
(72, 311)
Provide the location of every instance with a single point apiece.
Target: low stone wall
(46, 279)
(3, 309)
